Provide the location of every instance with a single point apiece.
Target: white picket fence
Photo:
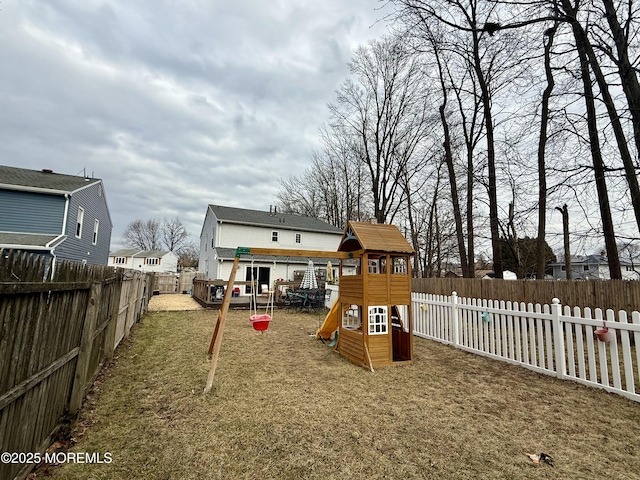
(548, 339)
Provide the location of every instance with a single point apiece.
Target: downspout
(66, 213)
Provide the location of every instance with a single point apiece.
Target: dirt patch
(172, 302)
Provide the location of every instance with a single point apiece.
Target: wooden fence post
(455, 338)
(113, 323)
(86, 344)
(558, 339)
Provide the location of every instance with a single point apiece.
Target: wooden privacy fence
(54, 338)
(174, 282)
(548, 339)
(605, 294)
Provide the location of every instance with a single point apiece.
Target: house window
(351, 319)
(79, 222)
(152, 261)
(96, 223)
(585, 268)
(378, 320)
(274, 236)
(564, 268)
(120, 260)
(298, 238)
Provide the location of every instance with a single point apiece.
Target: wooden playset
(372, 316)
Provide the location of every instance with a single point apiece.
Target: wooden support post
(86, 343)
(217, 336)
(215, 333)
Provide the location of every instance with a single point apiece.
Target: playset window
(378, 320)
(399, 265)
(274, 236)
(351, 318)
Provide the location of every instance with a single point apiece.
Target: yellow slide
(330, 324)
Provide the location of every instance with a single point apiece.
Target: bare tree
(155, 235)
(385, 112)
(174, 234)
(145, 235)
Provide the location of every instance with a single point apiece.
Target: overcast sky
(174, 104)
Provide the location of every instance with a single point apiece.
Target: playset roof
(376, 237)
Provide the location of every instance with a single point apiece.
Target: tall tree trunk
(448, 157)
(541, 260)
(630, 86)
(596, 154)
(491, 157)
(616, 124)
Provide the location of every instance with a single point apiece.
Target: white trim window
(351, 317)
(152, 261)
(119, 260)
(378, 320)
(79, 221)
(274, 236)
(96, 224)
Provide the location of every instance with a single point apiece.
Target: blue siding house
(65, 217)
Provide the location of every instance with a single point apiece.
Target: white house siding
(234, 235)
(206, 260)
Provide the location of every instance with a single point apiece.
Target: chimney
(270, 210)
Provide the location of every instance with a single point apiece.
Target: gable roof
(45, 181)
(591, 260)
(136, 252)
(243, 216)
(380, 237)
(30, 240)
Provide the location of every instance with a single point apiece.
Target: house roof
(378, 237)
(286, 221)
(41, 180)
(591, 260)
(136, 252)
(29, 240)
(230, 253)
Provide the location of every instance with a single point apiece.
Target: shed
(375, 324)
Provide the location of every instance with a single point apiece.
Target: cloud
(174, 104)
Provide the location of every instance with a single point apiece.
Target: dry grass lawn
(284, 406)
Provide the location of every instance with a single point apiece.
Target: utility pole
(567, 253)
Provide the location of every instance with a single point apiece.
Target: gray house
(594, 267)
(65, 217)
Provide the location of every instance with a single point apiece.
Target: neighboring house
(594, 267)
(64, 217)
(226, 228)
(145, 260)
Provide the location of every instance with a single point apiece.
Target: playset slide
(330, 324)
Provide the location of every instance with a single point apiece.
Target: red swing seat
(260, 322)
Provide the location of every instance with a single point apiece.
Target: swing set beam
(216, 340)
